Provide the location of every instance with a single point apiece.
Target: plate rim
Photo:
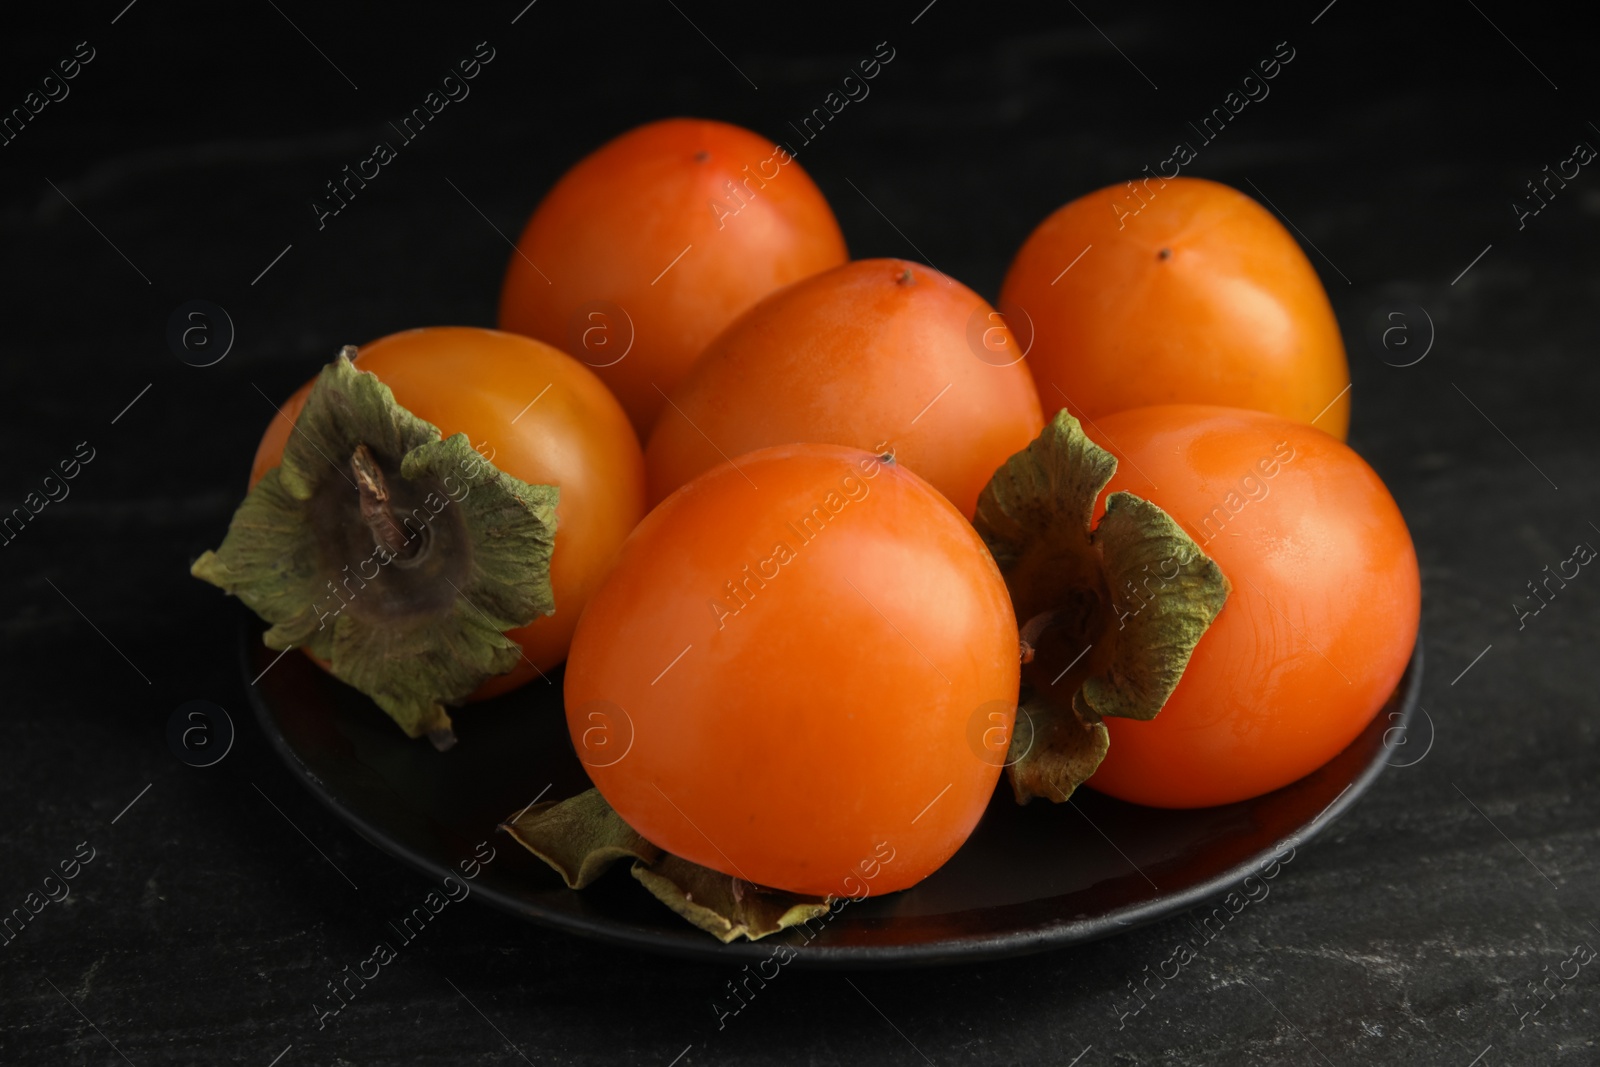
(941, 952)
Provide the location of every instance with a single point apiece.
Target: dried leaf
(579, 837)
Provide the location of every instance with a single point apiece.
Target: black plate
(1030, 878)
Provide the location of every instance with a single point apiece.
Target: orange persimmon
(879, 354)
(779, 683)
(1319, 627)
(654, 242)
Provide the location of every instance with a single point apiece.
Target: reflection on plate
(1030, 878)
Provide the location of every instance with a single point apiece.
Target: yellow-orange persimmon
(535, 414)
(1181, 291)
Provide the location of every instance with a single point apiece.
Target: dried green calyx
(582, 836)
(1112, 612)
(399, 557)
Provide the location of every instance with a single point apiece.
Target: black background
(186, 158)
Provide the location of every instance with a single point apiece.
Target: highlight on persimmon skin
(654, 242)
(878, 354)
(1187, 292)
(537, 415)
(791, 671)
(1318, 629)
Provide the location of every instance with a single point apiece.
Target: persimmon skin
(1199, 297)
(479, 382)
(877, 354)
(804, 743)
(1321, 621)
(611, 232)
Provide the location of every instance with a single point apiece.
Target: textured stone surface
(194, 143)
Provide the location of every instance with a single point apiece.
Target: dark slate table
(181, 164)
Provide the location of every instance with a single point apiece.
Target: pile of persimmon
(826, 545)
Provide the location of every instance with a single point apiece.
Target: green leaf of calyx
(579, 837)
(1116, 609)
(1165, 594)
(583, 836)
(1035, 514)
(1062, 749)
(725, 907)
(398, 557)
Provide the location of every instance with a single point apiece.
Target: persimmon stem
(375, 512)
(1029, 635)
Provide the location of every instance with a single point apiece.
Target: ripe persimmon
(655, 241)
(879, 354)
(779, 683)
(410, 544)
(1319, 627)
(1176, 291)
